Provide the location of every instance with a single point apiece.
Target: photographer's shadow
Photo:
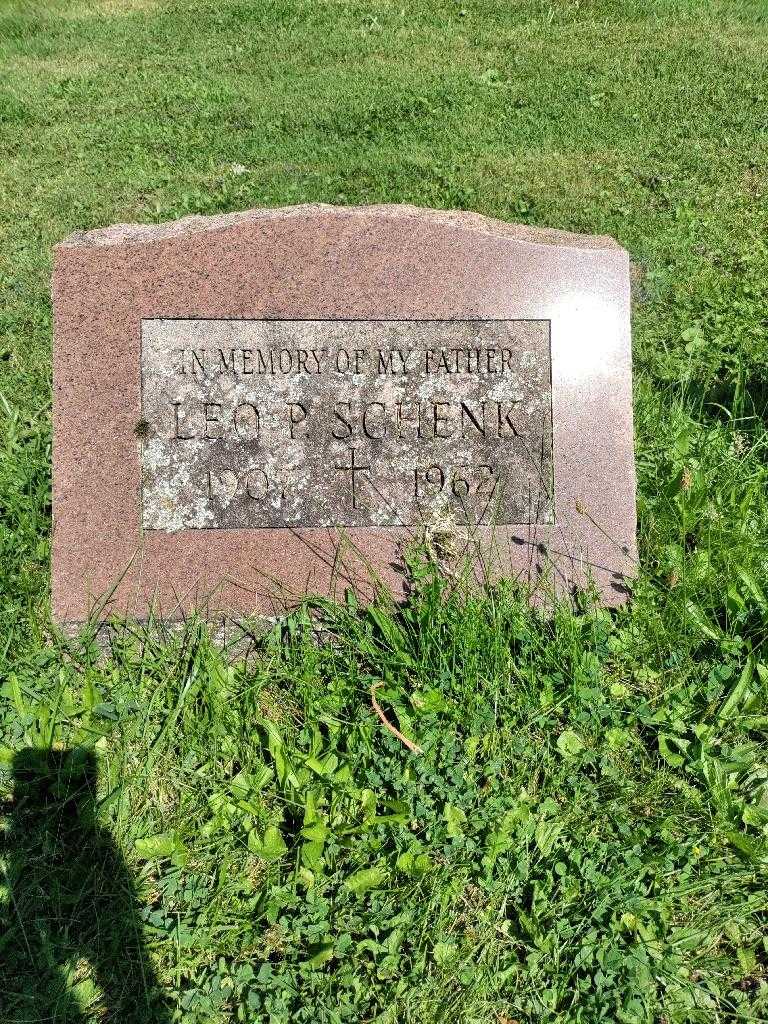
(70, 932)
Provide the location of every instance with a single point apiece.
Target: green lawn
(584, 837)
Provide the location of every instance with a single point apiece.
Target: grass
(583, 837)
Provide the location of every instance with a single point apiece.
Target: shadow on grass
(70, 933)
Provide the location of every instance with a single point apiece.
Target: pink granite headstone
(256, 406)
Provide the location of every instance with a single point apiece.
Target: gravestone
(256, 406)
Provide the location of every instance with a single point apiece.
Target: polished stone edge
(240, 638)
(144, 234)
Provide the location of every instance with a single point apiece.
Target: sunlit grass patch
(579, 802)
(108, 8)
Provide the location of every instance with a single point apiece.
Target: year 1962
(461, 481)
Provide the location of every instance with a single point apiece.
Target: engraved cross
(352, 469)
